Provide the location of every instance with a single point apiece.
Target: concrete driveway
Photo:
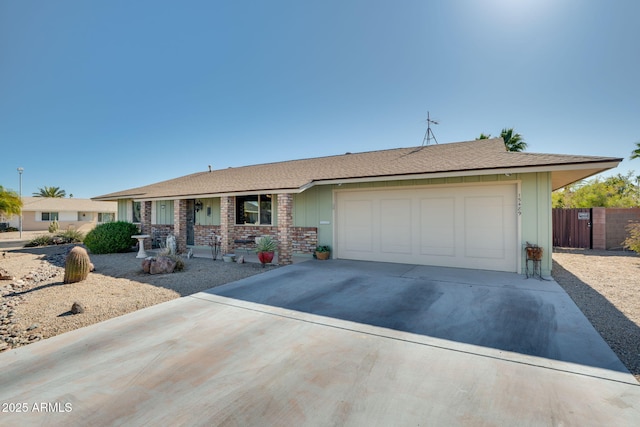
(332, 343)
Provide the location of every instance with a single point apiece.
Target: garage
(471, 226)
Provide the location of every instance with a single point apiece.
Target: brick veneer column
(227, 223)
(180, 224)
(285, 229)
(145, 223)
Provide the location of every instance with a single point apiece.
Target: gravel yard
(36, 305)
(605, 285)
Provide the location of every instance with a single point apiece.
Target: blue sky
(102, 96)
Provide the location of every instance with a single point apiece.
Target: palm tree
(635, 154)
(513, 141)
(10, 203)
(50, 192)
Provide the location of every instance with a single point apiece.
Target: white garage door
(465, 227)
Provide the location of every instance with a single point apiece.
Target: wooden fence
(594, 228)
(572, 228)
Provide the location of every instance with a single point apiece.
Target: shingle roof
(295, 175)
(60, 204)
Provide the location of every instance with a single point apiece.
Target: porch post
(180, 224)
(285, 229)
(227, 222)
(145, 223)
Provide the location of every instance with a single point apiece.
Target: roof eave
(588, 167)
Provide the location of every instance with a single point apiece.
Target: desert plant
(266, 244)
(71, 236)
(633, 240)
(53, 227)
(77, 265)
(111, 237)
(44, 240)
(178, 260)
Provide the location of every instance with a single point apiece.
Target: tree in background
(10, 203)
(513, 141)
(635, 154)
(50, 192)
(617, 191)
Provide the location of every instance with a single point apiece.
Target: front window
(49, 216)
(106, 217)
(253, 209)
(136, 212)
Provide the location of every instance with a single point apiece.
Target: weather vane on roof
(428, 135)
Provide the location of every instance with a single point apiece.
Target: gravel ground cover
(37, 305)
(605, 285)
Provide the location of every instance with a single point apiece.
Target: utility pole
(20, 170)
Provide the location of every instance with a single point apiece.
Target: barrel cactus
(77, 266)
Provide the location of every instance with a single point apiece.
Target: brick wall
(159, 232)
(145, 224)
(204, 233)
(180, 224)
(305, 240)
(285, 225)
(599, 228)
(249, 232)
(227, 221)
(617, 220)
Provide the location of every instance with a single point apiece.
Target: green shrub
(43, 240)
(111, 237)
(633, 240)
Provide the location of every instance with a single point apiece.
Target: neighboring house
(79, 214)
(468, 204)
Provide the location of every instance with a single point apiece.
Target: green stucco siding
(314, 207)
(536, 215)
(210, 213)
(164, 212)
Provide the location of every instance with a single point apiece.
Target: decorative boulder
(146, 264)
(162, 265)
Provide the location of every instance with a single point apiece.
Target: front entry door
(191, 220)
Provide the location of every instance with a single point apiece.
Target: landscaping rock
(162, 265)
(77, 308)
(146, 264)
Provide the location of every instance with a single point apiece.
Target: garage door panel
(484, 225)
(437, 226)
(466, 227)
(358, 225)
(395, 226)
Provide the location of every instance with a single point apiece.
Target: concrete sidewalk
(305, 345)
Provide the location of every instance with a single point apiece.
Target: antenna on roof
(428, 135)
